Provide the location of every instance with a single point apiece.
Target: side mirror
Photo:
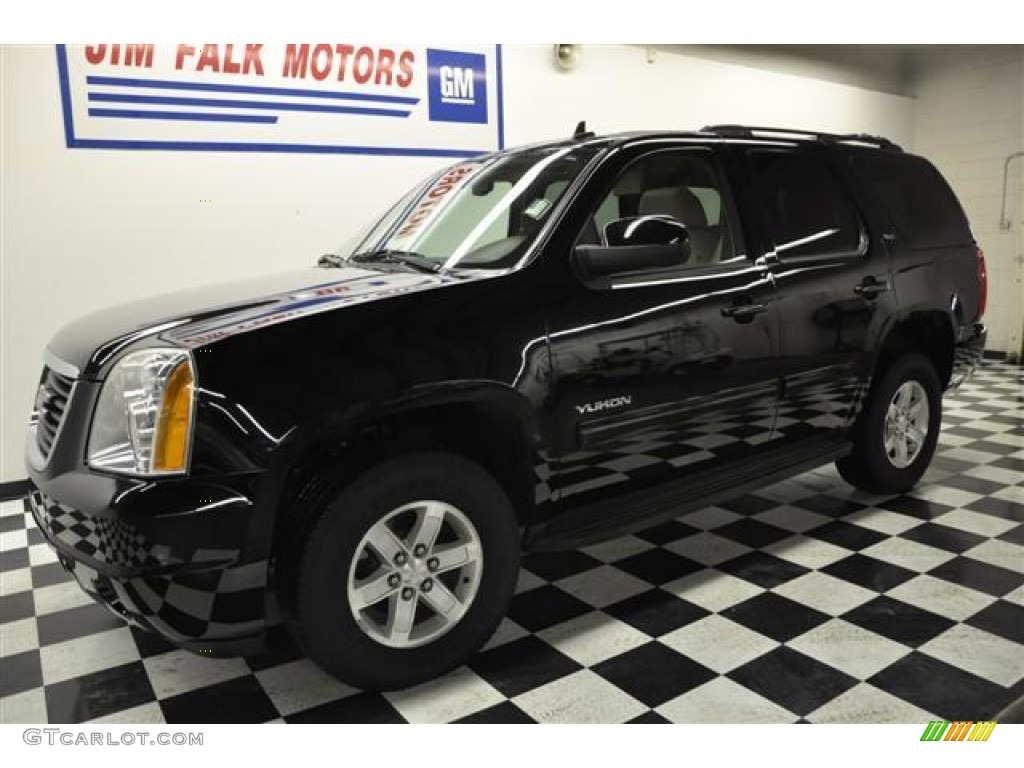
(635, 244)
(645, 230)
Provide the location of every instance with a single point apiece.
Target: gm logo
(457, 86)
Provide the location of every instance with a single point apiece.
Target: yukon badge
(604, 405)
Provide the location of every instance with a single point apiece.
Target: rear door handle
(871, 286)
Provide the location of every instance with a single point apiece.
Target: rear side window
(807, 210)
(917, 198)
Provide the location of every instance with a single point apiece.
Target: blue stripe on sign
(206, 117)
(137, 82)
(65, 97)
(231, 103)
(501, 96)
(234, 146)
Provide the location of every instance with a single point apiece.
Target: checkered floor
(807, 601)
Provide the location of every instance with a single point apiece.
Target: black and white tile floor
(805, 601)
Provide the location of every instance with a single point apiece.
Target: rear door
(833, 281)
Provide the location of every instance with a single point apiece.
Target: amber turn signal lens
(171, 451)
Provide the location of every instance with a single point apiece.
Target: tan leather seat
(681, 204)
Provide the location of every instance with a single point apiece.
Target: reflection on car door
(833, 282)
(662, 376)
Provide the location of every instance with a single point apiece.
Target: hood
(204, 315)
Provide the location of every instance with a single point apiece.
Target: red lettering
(94, 54)
(417, 217)
(331, 290)
(405, 62)
(134, 55)
(231, 67)
(138, 55)
(296, 60)
(252, 59)
(183, 51)
(209, 57)
(344, 51)
(362, 65)
(320, 65)
(363, 68)
(385, 61)
(454, 175)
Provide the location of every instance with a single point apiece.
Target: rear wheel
(407, 572)
(895, 437)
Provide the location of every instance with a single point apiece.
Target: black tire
(869, 465)
(323, 622)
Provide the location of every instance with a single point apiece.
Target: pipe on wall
(1004, 220)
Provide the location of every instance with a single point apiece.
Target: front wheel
(895, 437)
(407, 572)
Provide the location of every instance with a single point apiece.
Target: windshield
(482, 213)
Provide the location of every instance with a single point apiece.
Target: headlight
(143, 421)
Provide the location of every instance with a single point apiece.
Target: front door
(660, 373)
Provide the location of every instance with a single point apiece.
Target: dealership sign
(303, 97)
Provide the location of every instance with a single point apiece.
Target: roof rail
(750, 131)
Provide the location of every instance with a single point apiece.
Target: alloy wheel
(906, 424)
(415, 574)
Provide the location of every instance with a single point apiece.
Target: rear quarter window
(923, 208)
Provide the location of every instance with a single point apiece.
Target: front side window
(807, 210)
(481, 213)
(678, 186)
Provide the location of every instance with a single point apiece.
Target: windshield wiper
(416, 260)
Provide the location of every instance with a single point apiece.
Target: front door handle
(871, 286)
(744, 313)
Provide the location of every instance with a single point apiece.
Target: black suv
(533, 350)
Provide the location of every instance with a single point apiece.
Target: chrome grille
(51, 403)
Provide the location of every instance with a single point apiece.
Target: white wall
(84, 229)
(969, 117)
(615, 89)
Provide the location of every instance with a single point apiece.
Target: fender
(347, 427)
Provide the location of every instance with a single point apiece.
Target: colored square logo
(457, 86)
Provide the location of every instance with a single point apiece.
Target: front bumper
(175, 574)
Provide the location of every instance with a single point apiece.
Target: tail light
(982, 284)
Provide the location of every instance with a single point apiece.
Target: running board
(635, 511)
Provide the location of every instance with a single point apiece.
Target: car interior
(674, 185)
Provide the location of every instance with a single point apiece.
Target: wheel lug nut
(401, 558)
(394, 580)
(420, 550)
(433, 563)
(427, 585)
(407, 593)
